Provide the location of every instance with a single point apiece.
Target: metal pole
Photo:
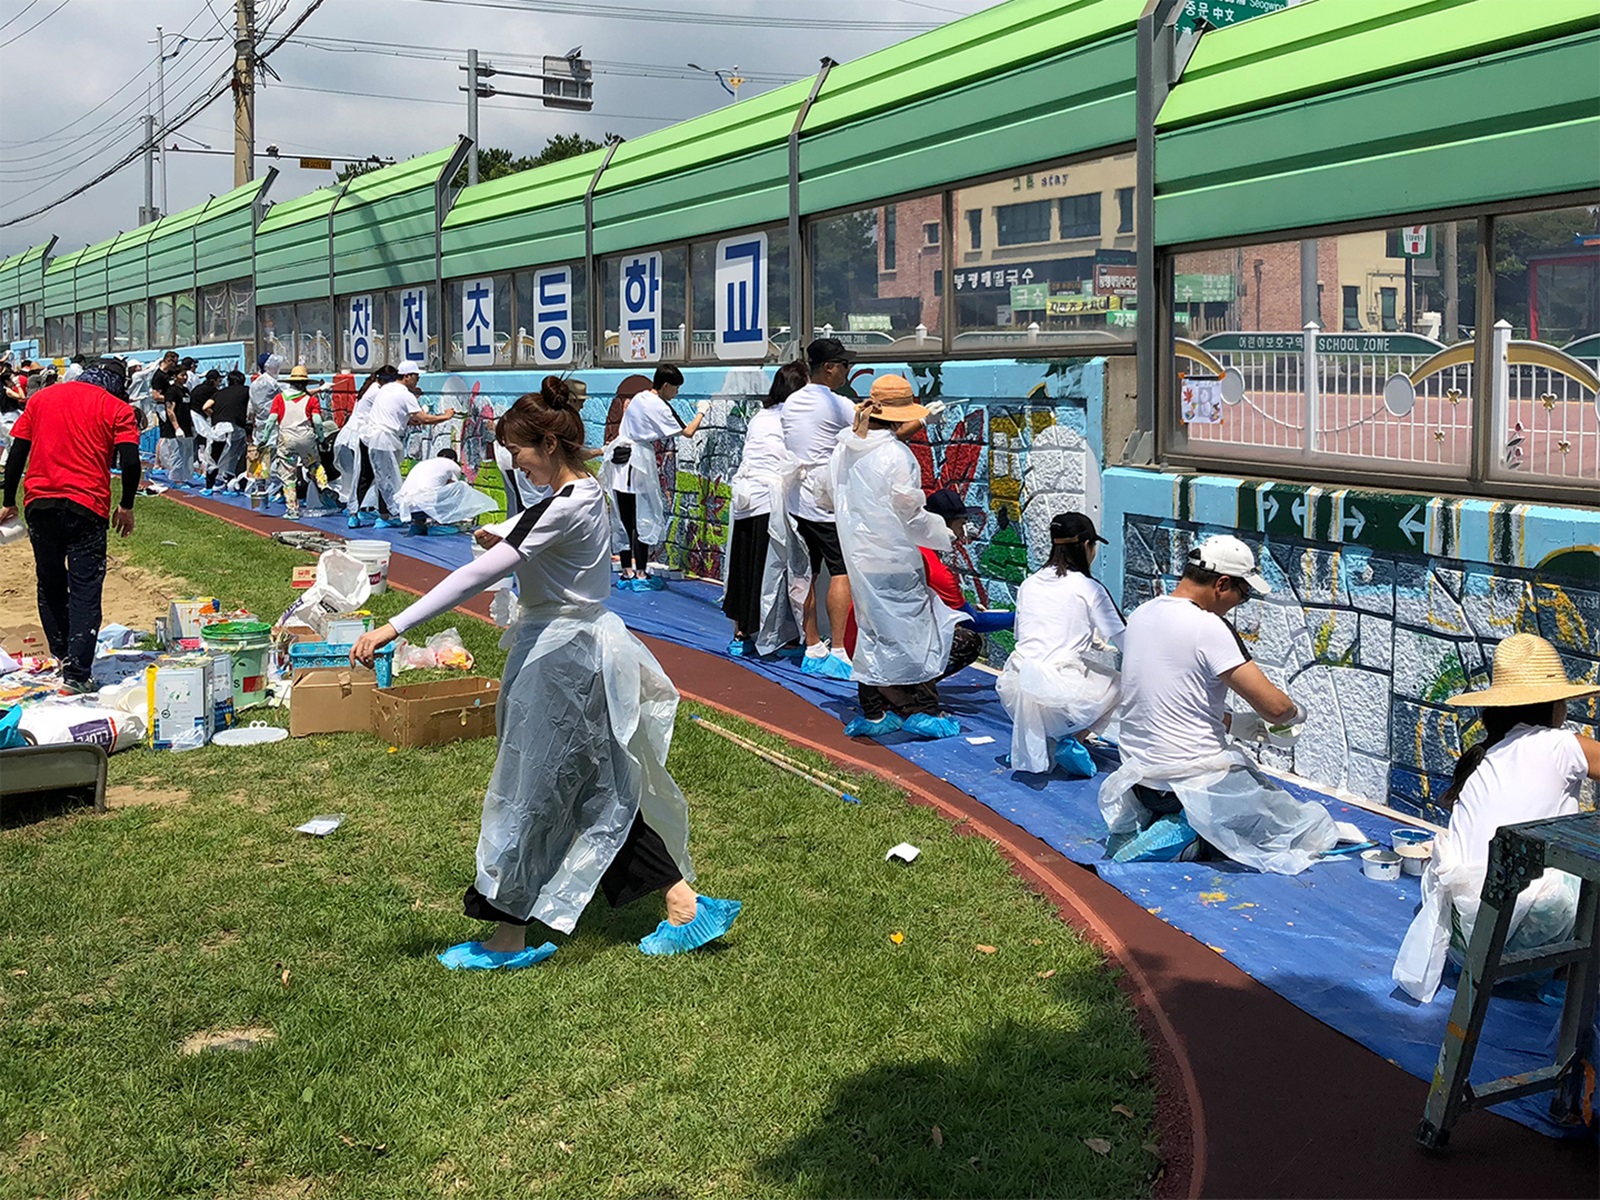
(799, 335)
(1410, 290)
(472, 116)
(1310, 304)
(147, 213)
(1452, 284)
(161, 106)
(244, 92)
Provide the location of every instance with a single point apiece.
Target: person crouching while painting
(905, 630)
(580, 799)
(1179, 776)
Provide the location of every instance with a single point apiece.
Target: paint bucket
(373, 555)
(1414, 856)
(257, 501)
(248, 643)
(1380, 864)
(1408, 837)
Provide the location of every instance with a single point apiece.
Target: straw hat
(893, 399)
(299, 375)
(1527, 670)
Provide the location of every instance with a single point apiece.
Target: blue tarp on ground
(1324, 940)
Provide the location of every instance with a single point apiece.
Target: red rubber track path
(1254, 1096)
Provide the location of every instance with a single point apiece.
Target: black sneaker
(78, 687)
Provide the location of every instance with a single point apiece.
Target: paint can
(1380, 864)
(1408, 837)
(1414, 856)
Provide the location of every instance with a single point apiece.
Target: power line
(17, 16)
(680, 17)
(305, 87)
(36, 24)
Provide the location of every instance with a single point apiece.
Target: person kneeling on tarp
(436, 491)
(580, 799)
(1526, 768)
(1050, 687)
(906, 632)
(1179, 776)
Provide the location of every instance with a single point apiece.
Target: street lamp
(730, 80)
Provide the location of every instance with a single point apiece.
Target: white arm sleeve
(461, 584)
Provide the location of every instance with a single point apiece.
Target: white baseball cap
(409, 368)
(1227, 555)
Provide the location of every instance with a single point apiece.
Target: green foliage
(806, 1055)
(495, 162)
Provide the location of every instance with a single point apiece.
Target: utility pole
(148, 212)
(472, 116)
(1310, 302)
(244, 92)
(161, 106)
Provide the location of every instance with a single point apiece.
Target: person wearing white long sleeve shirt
(395, 409)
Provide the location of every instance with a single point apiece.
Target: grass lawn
(806, 1055)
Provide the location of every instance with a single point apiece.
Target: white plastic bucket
(373, 555)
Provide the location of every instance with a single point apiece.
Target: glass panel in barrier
(552, 316)
(480, 321)
(185, 324)
(643, 296)
(1377, 383)
(314, 322)
(1545, 345)
(744, 315)
(214, 313)
(877, 278)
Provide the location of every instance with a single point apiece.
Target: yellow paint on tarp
(1213, 897)
(1246, 904)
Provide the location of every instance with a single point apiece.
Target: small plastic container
(334, 654)
(1408, 837)
(1382, 865)
(1414, 856)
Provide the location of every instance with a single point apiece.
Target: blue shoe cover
(388, 523)
(712, 919)
(443, 530)
(471, 956)
(353, 523)
(624, 584)
(738, 648)
(830, 667)
(1162, 841)
(206, 491)
(649, 583)
(1073, 757)
(861, 727)
(925, 726)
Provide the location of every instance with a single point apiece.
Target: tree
(494, 162)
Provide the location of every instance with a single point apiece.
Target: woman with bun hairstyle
(580, 798)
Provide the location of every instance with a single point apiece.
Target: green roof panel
(225, 233)
(521, 220)
(384, 226)
(292, 248)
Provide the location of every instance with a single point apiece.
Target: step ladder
(1518, 855)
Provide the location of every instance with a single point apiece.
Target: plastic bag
(444, 651)
(342, 586)
(61, 724)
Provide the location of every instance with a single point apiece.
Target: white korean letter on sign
(358, 324)
(414, 324)
(477, 322)
(640, 336)
(552, 316)
(741, 293)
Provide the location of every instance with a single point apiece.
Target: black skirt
(745, 567)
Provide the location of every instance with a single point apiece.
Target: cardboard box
(428, 714)
(179, 692)
(185, 617)
(303, 577)
(331, 700)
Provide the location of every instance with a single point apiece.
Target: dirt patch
(135, 795)
(133, 597)
(29, 1148)
(247, 1038)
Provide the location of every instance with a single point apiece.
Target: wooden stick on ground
(777, 760)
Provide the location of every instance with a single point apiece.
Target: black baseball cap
(945, 504)
(827, 350)
(1074, 527)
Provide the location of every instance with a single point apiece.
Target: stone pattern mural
(1372, 643)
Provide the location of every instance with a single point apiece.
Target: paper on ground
(1349, 833)
(905, 852)
(979, 741)
(321, 826)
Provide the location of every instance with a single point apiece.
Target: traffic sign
(1416, 241)
(1202, 289)
(1222, 13)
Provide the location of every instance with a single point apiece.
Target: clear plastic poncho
(876, 492)
(585, 723)
(347, 447)
(1232, 805)
(1065, 694)
(1452, 891)
(786, 577)
(643, 475)
(456, 502)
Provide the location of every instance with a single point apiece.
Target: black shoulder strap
(530, 517)
(1239, 641)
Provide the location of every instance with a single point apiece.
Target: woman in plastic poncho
(580, 798)
(905, 631)
(350, 452)
(1050, 687)
(766, 563)
(1527, 767)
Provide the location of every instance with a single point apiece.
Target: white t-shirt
(565, 543)
(388, 419)
(648, 419)
(813, 418)
(1174, 655)
(765, 454)
(433, 473)
(1063, 612)
(1530, 774)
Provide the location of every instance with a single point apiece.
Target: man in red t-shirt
(66, 439)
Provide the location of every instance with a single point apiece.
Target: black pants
(643, 865)
(69, 554)
(636, 557)
(966, 644)
(364, 479)
(744, 570)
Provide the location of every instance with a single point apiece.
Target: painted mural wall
(1385, 603)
